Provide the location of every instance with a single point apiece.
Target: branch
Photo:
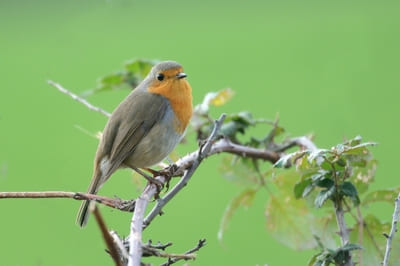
(200, 244)
(201, 153)
(135, 237)
(393, 230)
(108, 238)
(137, 224)
(339, 212)
(123, 205)
(79, 99)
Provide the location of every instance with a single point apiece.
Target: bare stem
(108, 238)
(136, 228)
(123, 205)
(137, 224)
(393, 230)
(79, 99)
(202, 153)
(339, 212)
(200, 244)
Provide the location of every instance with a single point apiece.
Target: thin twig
(123, 205)
(151, 251)
(120, 243)
(393, 230)
(111, 246)
(79, 99)
(202, 153)
(200, 244)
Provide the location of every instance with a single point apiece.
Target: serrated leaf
(326, 228)
(349, 190)
(342, 254)
(316, 156)
(134, 72)
(350, 247)
(300, 188)
(383, 195)
(110, 81)
(307, 190)
(360, 149)
(373, 248)
(236, 123)
(363, 176)
(244, 199)
(355, 141)
(324, 183)
(289, 220)
(140, 67)
(324, 195)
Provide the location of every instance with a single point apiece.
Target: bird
(144, 128)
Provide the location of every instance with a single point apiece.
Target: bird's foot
(151, 180)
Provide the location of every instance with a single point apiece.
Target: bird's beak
(181, 75)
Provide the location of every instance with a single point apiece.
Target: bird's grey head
(165, 65)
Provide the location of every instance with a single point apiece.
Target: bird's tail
(83, 214)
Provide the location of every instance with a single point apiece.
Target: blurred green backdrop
(328, 67)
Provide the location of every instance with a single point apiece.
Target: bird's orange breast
(179, 94)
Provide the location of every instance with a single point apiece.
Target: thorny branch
(200, 244)
(113, 249)
(393, 230)
(135, 239)
(185, 167)
(202, 153)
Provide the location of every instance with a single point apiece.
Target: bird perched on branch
(144, 128)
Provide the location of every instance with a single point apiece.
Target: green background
(327, 67)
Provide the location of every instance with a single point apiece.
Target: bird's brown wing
(132, 122)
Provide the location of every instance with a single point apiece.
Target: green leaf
(383, 195)
(355, 141)
(317, 156)
(326, 228)
(244, 199)
(134, 72)
(300, 187)
(313, 259)
(360, 149)
(349, 190)
(288, 220)
(140, 67)
(111, 81)
(324, 183)
(373, 242)
(324, 195)
(342, 254)
(363, 176)
(237, 123)
(288, 159)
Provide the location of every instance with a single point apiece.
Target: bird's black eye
(160, 76)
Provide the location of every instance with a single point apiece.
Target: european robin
(145, 127)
